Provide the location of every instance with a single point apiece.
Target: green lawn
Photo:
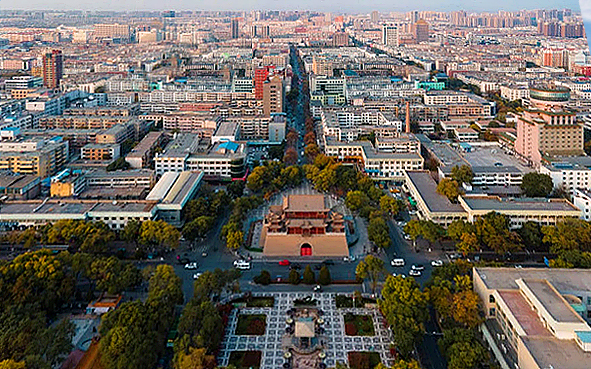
(359, 325)
(245, 359)
(251, 325)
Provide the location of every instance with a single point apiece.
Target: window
(491, 299)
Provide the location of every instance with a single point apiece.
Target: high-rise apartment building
(375, 17)
(260, 76)
(390, 35)
(235, 32)
(421, 31)
(273, 96)
(53, 67)
(120, 32)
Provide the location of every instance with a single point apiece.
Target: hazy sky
(350, 6)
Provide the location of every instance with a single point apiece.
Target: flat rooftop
(427, 188)
(521, 309)
(550, 352)
(562, 279)
(305, 203)
(543, 205)
(552, 301)
(494, 157)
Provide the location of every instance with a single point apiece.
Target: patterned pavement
(338, 343)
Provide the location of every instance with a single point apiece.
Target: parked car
(346, 259)
(284, 262)
(414, 273)
(437, 263)
(318, 288)
(197, 275)
(397, 262)
(407, 237)
(417, 267)
(191, 265)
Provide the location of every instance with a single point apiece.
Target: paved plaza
(337, 346)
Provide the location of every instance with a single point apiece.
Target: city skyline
(351, 7)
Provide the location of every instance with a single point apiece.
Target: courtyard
(336, 344)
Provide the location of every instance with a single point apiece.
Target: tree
(309, 277)
(113, 275)
(165, 287)
(536, 184)
(311, 151)
(234, 240)
(427, 229)
(378, 231)
(198, 227)
(458, 227)
(118, 164)
(324, 276)
(449, 188)
(294, 277)
(462, 349)
(236, 188)
(11, 364)
(390, 205)
(568, 235)
(401, 364)
(195, 358)
(291, 156)
(264, 278)
(158, 234)
(372, 269)
(462, 174)
(465, 308)
(531, 234)
(355, 200)
(131, 231)
(405, 308)
(493, 231)
(469, 243)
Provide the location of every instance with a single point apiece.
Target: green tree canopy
(536, 184)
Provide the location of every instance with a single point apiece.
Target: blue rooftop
(584, 336)
(229, 145)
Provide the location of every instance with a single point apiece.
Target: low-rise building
(141, 155)
(536, 318)
(108, 152)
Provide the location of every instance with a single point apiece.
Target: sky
(337, 6)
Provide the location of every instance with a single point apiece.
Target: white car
(197, 275)
(346, 259)
(414, 273)
(407, 237)
(242, 264)
(191, 265)
(417, 267)
(397, 262)
(437, 263)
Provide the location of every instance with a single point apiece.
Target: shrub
(264, 278)
(324, 276)
(309, 277)
(294, 277)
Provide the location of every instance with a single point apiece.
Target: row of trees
(309, 277)
(456, 305)
(201, 325)
(202, 212)
(232, 230)
(33, 289)
(134, 335)
(97, 237)
(273, 177)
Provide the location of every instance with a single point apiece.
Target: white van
(397, 262)
(242, 264)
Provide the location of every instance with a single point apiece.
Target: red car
(284, 262)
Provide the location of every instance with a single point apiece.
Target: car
(317, 288)
(352, 258)
(295, 266)
(397, 262)
(417, 267)
(191, 265)
(328, 262)
(197, 275)
(203, 254)
(346, 259)
(437, 263)
(498, 164)
(284, 262)
(407, 237)
(241, 264)
(412, 212)
(414, 273)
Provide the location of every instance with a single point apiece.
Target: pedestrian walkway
(337, 346)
